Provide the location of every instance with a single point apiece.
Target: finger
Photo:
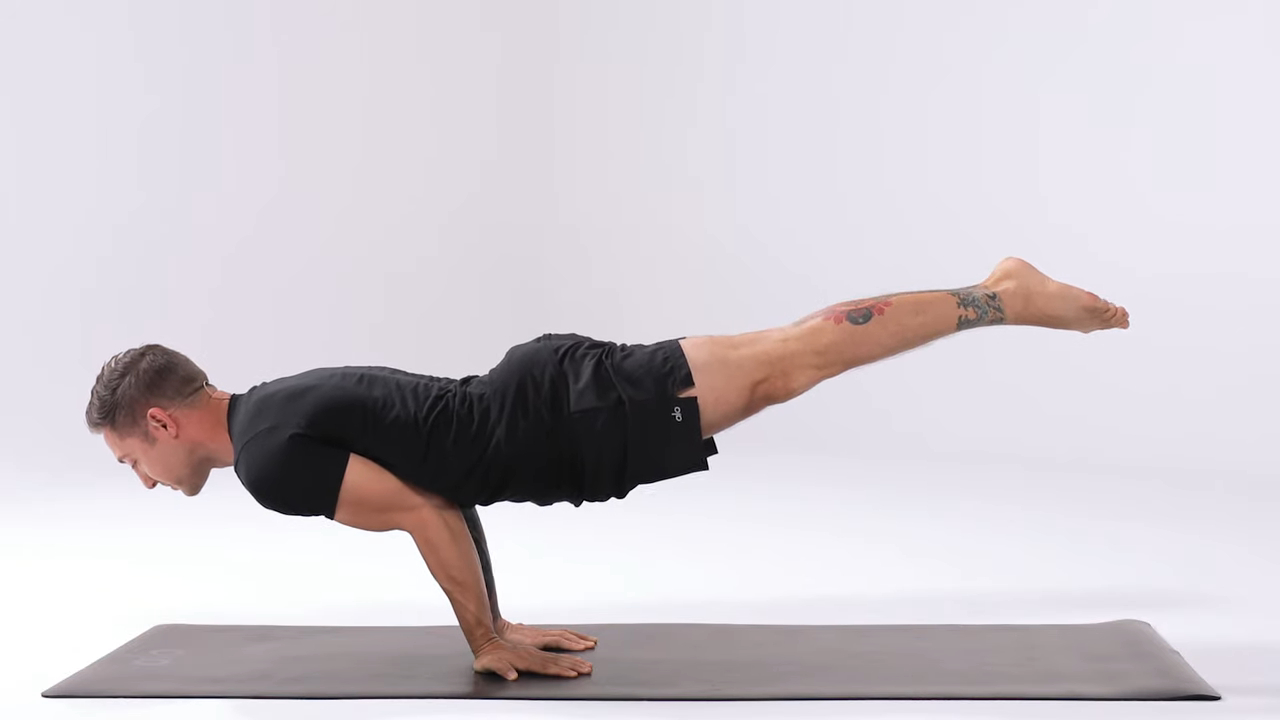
(575, 663)
(565, 663)
(548, 668)
(569, 641)
(546, 663)
(579, 637)
(503, 668)
(572, 635)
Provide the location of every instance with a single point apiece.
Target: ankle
(992, 303)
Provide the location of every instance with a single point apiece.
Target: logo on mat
(154, 657)
(677, 415)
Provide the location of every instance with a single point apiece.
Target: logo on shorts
(677, 415)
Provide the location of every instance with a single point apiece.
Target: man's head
(160, 416)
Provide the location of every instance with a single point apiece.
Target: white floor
(91, 562)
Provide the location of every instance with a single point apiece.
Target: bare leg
(737, 376)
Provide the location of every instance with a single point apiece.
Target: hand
(506, 659)
(519, 634)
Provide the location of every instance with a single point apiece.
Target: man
(562, 418)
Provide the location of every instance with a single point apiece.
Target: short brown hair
(133, 381)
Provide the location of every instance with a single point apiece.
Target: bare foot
(1032, 298)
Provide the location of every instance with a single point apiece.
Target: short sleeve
(292, 473)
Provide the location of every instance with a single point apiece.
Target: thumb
(507, 671)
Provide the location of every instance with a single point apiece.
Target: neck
(222, 451)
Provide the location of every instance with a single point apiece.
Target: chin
(196, 486)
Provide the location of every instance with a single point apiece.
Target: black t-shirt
(292, 437)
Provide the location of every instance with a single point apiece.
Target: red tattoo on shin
(858, 314)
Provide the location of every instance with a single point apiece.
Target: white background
(272, 186)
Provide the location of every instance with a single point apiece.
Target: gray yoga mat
(1118, 660)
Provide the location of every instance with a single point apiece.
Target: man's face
(169, 459)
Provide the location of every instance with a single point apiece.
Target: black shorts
(603, 417)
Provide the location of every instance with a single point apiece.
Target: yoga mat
(1116, 660)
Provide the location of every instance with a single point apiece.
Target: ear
(160, 420)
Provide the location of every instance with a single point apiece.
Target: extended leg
(737, 376)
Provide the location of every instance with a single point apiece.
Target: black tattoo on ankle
(984, 304)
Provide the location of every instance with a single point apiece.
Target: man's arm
(486, 567)
(444, 541)
(373, 499)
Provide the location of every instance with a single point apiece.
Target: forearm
(482, 551)
(444, 539)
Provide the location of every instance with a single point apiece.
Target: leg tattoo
(984, 304)
(857, 312)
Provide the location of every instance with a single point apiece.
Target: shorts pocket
(664, 437)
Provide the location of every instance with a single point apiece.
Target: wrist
(478, 630)
(480, 644)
